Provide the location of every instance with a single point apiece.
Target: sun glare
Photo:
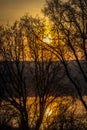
(47, 39)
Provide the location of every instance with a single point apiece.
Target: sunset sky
(11, 10)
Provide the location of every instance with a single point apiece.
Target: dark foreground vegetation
(67, 125)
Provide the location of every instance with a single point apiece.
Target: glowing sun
(47, 39)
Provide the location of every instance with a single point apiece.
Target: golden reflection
(48, 112)
(61, 105)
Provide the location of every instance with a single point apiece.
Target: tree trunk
(24, 121)
(38, 123)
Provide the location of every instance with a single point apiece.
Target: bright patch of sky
(11, 10)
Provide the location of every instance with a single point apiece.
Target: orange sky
(11, 10)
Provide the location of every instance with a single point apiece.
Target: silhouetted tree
(69, 24)
(44, 70)
(12, 66)
(22, 42)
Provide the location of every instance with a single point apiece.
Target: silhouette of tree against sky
(12, 77)
(24, 41)
(45, 72)
(69, 19)
(27, 35)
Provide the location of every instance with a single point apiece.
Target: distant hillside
(59, 84)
